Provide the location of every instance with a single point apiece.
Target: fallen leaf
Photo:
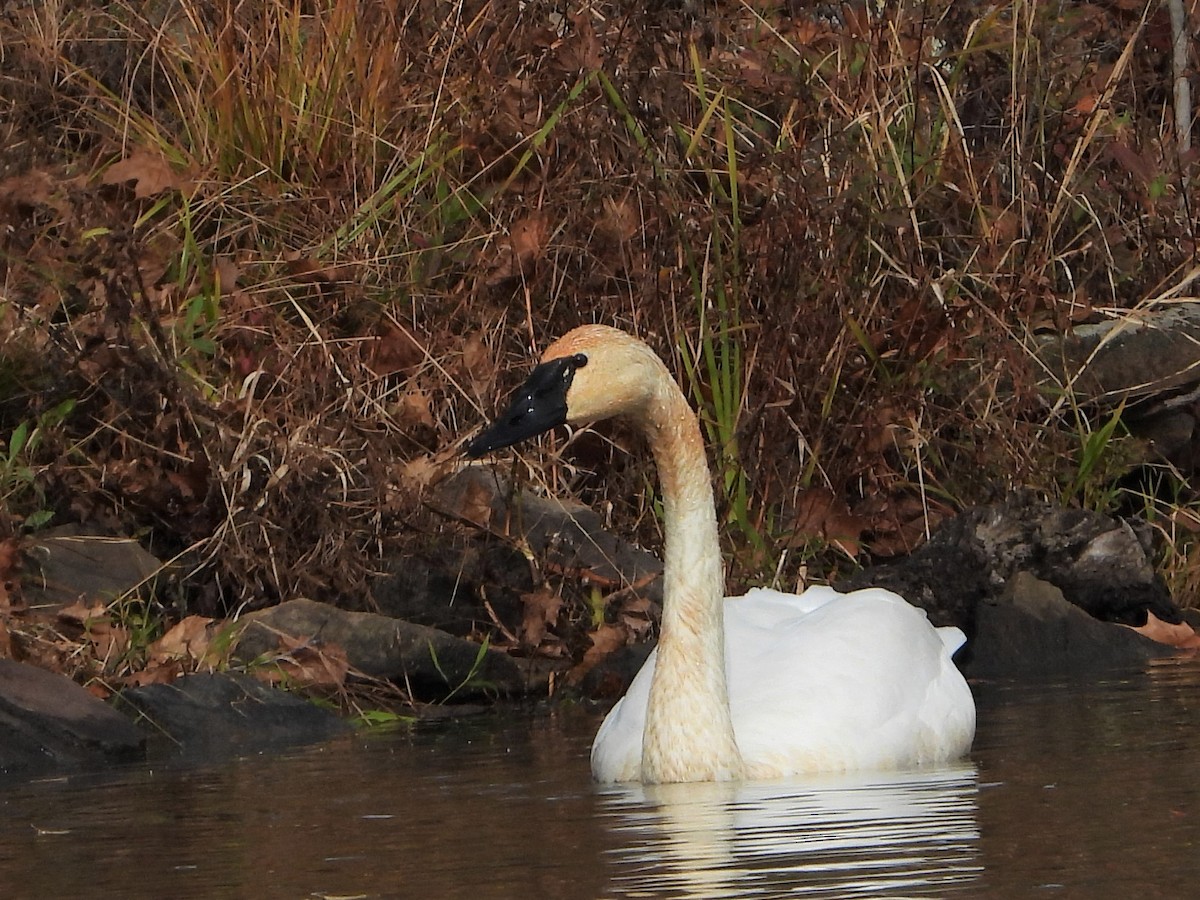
(110, 642)
(396, 351)
(306, 664)
(1182, 635)
(10, 563)
(541, 610)
(819, 513)
(164, 673)
(526, 242)
(416, 408)
(33, 188)
(188, 642)
(477, 363)
(228, 272)
(150, 173)
(81, 614)
(476, 505)
(605, 640)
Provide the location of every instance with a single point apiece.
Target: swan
(762, 686)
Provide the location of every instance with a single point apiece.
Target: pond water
(1072, 790)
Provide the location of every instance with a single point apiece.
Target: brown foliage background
(285, 257)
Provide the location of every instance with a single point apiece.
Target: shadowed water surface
(1080, 790)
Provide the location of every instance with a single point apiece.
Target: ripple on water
(898, 834)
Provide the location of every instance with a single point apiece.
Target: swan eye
(579, 360)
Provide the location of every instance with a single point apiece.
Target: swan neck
(689, 730)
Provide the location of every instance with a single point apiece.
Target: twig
(1183, 88)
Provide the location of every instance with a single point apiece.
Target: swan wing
(862, 681)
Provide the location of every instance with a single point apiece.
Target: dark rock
(63, 566)
(215, 715)
(446, 589)
(1147, 360)
(610, 678)
(1148, 353)
(1032, 630)
(1101, 564)
(47, 720)
(426, 660)
(568, 536)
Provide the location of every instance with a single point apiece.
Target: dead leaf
(476, 505)
(81, 614)
(161, 674)
(416, 408)
(541, 610)
(6, 645)
(819, 513)
(306, 270)
(307, 664)
(605, 640)
(150, 173)
(110, 642)
(228, 272)
(420, 472)
(526, 243)
(396, 351)
(188, 642)
(33, 188)
(477, 364)
(1182, 635)
(10, 563)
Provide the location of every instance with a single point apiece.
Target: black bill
(539, 405)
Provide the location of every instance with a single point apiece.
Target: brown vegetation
(266, 263)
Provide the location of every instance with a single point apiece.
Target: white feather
(821, 682)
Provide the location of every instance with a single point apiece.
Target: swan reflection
(869, 834)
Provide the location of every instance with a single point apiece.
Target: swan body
(820, 682)
(760, 686)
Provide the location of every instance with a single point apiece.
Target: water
(1072, 790)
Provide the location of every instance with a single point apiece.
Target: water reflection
(911, 833)
(1084, 789)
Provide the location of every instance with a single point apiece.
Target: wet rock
(610, 678)
(430, 662)
(48, 721)
(1032, 630)
(215, 715)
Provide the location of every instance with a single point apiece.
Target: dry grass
(342, 226)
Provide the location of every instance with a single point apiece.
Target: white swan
(792, 684)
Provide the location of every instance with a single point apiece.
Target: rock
(445, 588)
(47, 720)
(430, 662)
(63, 566)
(1101, 564)
(1032, 630)
(568, 536)
(1141, 354)
(1148, 359)
(207, 715)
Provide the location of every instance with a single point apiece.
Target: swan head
(591, 373)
